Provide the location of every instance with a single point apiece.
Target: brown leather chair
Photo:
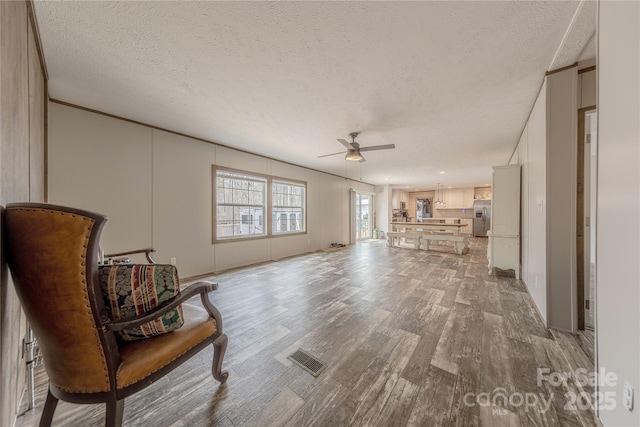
(52, 252)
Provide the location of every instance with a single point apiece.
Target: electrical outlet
(173, 261)
(627, 396)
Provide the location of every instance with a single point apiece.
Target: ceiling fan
(354, 149)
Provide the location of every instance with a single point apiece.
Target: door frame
(580, 209)
(360, 196)
(353, 210)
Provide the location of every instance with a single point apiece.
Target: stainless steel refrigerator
(481, 217)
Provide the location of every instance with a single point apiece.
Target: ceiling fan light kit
(353, 155)
(353, 149)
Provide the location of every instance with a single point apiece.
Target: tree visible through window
(287, 207)
(240, 205)
(250, 206)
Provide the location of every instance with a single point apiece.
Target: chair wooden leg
(219, 347)
(115, 410)
(49, 408)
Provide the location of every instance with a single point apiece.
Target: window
(255, 206)
(287, 206)
(240, 205)
(283, 221)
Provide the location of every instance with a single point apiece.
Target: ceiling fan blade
(345, 143)
(332, 154)
(378, 147)
(362, 160)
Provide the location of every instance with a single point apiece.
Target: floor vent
(307, 362)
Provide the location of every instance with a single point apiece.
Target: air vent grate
(307, 362)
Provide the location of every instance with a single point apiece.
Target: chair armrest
(202, 288)
(147, 253)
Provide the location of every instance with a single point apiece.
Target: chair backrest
(52, 252)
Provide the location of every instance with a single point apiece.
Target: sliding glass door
(364, 216)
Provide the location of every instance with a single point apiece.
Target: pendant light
(440, 190)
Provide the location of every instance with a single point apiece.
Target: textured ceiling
(450, 83)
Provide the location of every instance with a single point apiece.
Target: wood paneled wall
(22, 173)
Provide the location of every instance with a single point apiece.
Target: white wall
(618, 204)
(547, 153)
(101, 164)
(156, 189)
(181, 216)
(561, 167)
(383, 207)
(532, 157)
(331, 198)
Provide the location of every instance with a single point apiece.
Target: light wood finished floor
(410, 338)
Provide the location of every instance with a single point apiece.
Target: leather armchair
(147, 253)
(52, 252)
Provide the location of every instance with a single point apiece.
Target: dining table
(427, 226)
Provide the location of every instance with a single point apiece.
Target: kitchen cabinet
(469, 228)
(453, 198)
(398, 198)
(456, 198)
(503, 251)
(467, 198)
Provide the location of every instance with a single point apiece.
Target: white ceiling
(449, 83)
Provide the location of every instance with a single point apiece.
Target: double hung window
(240, 205)
(248, 205)
(287, 208)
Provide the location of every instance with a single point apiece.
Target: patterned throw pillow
(133, 289)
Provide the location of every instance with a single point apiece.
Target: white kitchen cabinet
(467, 197)
(458, 197)
(469, 228)
(447, 196)
(404, 198)
(503, 251)
(398, 197)
(455, 198)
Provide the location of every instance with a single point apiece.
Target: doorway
(364, 215)
(586, 219)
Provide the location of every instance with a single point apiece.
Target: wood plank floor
(410, 338)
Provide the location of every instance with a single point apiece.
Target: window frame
(292, 182)
(257, 177)
(267, 217)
